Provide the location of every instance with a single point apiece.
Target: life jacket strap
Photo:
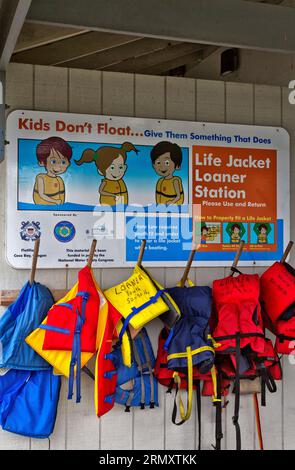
(237, 393)
(76, 350)
(150, 369)
(56, 329)
(191, 353)
(199, 411)
(241, 335)
(168, 340)
(136, 310)
(185, 415)
(218, 415)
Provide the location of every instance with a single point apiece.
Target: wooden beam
(116, 54)
(7, 297)
(71, 48)
(163, 68)
(35, 35)
(12, 17)
(170, 53)
(230, 23)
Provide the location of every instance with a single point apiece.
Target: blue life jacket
(190, 345)
(191, 330)
(28, 402)
(19, 320)
(143, 389)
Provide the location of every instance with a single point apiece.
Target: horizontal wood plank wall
(93, 92)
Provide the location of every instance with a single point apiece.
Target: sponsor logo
(64, 231)
(30, 231)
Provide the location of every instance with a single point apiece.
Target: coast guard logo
(30, 231)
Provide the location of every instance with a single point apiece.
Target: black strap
(282, 338)
(174, 412)
(218, 417)
(199, 410)
(170, 386)
(234, 271)
(237, 393)
(241, 335)
(88, 372)
(263, 391)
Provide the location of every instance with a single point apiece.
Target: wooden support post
(91, 252)
(238, 254)
(287, 251)
(187, 268)
(34, 260)
(141, 253)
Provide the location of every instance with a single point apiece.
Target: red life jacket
(243, 351)
(278, 302)
(236, 301)
(105, 372)
(63, 319)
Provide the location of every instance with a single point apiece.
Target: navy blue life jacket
(189, 344)
(191, 330)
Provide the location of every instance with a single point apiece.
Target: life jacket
(140, 299)
(165, 190)
(165, 376)
(28, 402)
(189, 345)
(53, 187)
(75, 328)
(242, 350)
(115, 188)
(278, 302)
(136, 385)
(22, 317)
(105, 372)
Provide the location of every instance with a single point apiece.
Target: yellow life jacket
(53, 187)
(117, 188)
(165, 190)
(140, 299)
(262, 238)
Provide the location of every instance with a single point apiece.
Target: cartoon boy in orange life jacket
(54, 154)
(166, 159)
(262, 234)
(111, 164)
(235, 236)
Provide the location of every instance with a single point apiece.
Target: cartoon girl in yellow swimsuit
(54, 154)
(111, 164)
(166, 159)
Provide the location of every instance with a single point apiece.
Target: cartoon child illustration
(166, 159)
(235, 236)
(111, 164)
(262, 234)
(204, 234)
(54, 154)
